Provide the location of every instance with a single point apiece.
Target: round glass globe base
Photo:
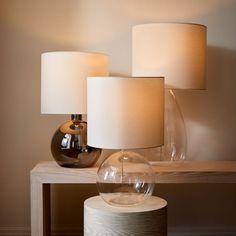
(125, 179)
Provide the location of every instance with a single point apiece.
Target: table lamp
(63, 91)
(176, 51)
(125, 113)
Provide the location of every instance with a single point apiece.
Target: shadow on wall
(210, 114)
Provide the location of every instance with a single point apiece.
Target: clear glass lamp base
(125, 179)
(69, 145)
(175, 140)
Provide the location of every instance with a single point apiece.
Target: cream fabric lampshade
(63, 80)
(176, 51)
(125, 113)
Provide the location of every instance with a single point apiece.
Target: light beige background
(30, 27)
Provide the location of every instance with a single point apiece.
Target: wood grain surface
(148, 218)
(165, 172)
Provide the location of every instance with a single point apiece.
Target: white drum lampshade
(64, 91)
(125, 113)
(63, 80)
(176, 51)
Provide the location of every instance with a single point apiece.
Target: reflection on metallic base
(69, 145)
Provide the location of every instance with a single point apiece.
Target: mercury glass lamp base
(69, 145)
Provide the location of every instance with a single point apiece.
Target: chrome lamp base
(69, 145)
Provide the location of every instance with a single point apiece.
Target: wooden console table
(46, 173)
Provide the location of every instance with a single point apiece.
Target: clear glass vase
(175, 143)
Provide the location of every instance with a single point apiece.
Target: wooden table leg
(40, 208)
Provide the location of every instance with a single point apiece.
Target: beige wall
(30, 27)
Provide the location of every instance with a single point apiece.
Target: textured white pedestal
(148, 218)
